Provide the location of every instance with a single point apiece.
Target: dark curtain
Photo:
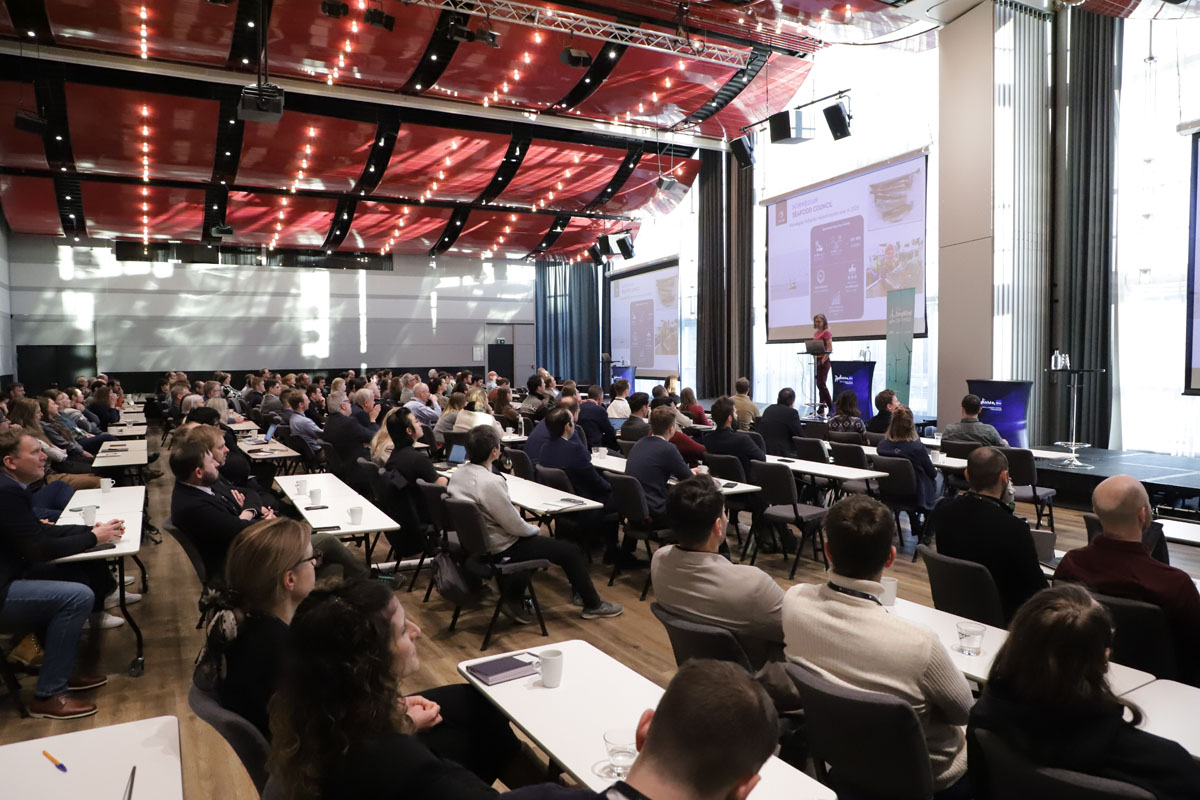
(568, 320)
(713, 371)
(1086, 224)
(740, 241)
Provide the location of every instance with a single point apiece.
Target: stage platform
(1177, 476)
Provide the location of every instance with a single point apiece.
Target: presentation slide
(643, 316)
(1193, 367)
(839, 248)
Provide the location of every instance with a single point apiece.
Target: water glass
(890, 585)
(621, 744)
(355, 513)
(302, 487)
(314, 497)
(970, 638)
(89, 515)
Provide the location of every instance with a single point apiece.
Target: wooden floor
(167, 615)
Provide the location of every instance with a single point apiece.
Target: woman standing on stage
(821, 326)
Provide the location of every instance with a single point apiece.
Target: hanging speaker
(625, 244)
(597, 256)
(838, 120)
(743, 150)
(604, 245)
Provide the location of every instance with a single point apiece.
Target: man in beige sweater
(747, 409)
(840, 630)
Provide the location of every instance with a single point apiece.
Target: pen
(55, 762)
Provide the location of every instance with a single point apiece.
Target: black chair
(1007, 773)
(956, 482)
(197, 560)
(784, 508)
(1094, 528)
(558, 480)
(959, 449)
(522, 467)
(1142, 638)
(758, 440)
(700, 640)
(852, 455)
(845, 437)
(815, 430)
(873, 439)
(312, 460)
(452, 438)
(246, 740)
(435, 503)
(729, 468)
(634, 514)
(863, 744)
(1022, 471)
(962, 587)
(807, 448)
(625, 445)
(898, 491)
(468, 523)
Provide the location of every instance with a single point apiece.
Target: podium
(1005, 407)
(855, 376)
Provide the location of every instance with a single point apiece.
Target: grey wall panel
(8, 358)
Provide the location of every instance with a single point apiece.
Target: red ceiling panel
(582, 170)
(483, 230)
(581, 234)
(375, 224)
(640, 190)
(335, 150)
(107, 132)
(18, 148)
(306, 43)
(420, 159)
(771, 91)
(305, 221)
(6, 26)
(194, 31)
(116, 211)
(642, 75)
(30, 205)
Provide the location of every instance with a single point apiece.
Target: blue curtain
(568, 320)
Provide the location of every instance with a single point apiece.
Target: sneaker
(114, 599)
(103, 620)
(60, 706)
(576, 600)
(605, 609)
(28, 653)
(81, 683)
(129, 579)
(515, 613)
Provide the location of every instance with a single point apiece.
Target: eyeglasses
(316, 558)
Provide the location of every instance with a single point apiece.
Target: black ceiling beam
(437, 55)
(603, 63)
(30, 15)
(26, 69)
(51, 97)
(227, 156)
(518, 146)
(275, 191)
(243, 49)
(216, 204)
(732, 88)
(343, 217)
(557, 227)
(632, 156)
(379, 156)
(453, 228)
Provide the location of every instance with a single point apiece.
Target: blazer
(653, 461)
(777, 425)
(540, 436)
(347, 436)
(634, 429)
(597, 427)
(573, 458)
(25, 540)
(271, 404)
(880, 422)
(918, 454)
(210, 521)
(360, 414)
(728, 442)
(396, 766)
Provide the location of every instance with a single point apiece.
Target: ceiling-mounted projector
(221, 231)
(261, 102)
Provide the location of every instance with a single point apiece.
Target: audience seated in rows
(747, 409)
(105, 406)
(364, 410)
(618, 407)
(404, 466)
(885, 404)
(506, 414)
(75, 470)
(540, 434)
(659, 397)
(424, 405)
(840, 630)
(476, 412)
(847, 418)
(691, 450)
(689, 406)
(296, 417)
(1117, 563)
(728, 440)
(345, 434)
(594, 420)
(635, 426)
(1047, 697)
(980, 526)
(511, 537)
(779, 422)
(970, 429)
(653, 461)
(535, 401)
(271, 403)
(445, 423)
(902, 441)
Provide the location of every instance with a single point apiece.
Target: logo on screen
(781, 213)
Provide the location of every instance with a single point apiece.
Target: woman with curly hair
(341, 729)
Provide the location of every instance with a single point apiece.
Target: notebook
(499, 670)
(270, 434)
(458, 454)
(618, 422)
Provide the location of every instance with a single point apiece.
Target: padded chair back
(435, 502)
(312, 461)
(283, 433)
(1094, 528)
(873, 439)
(1022, 470)
(845, 437)
(778, 485)
(467, 520)
(452, 438)
(699, 640)
(427, 437)
(900, 485)
(725, 467)
(963, 588)
(872, 742)
(189, 547)
(960, 449)
(1043, 543)
(245, 739)
(810, 449)
(522, 467)
(375, 479)
(332, 456)
(629, 499)
(758, 440)
(1007, 773)
(1142, 638)
(555, 478)
(815, 430)
(848, 455)
(625, 446)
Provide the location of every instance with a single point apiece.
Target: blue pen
(55, 762)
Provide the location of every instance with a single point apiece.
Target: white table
(329, 484)
(98, 763)
(116, 502)
(543, 500)
(936, 444)
(127, 431)
(513, 438)
(822, 470)
(611, 463)
(1122, 679)
(133, 417)
(339, 499)
(599, 693)
(273, 450)
(939, 459)
(1180, 532)
(130, 453)
(244, 426)
(1170, 710)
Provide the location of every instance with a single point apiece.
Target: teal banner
(900, 306)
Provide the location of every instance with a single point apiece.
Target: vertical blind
(568, 320)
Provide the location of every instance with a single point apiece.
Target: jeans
(333, 552)
(50, 500)
(564, 554)
(56, 611)
(92, 443)
(823, 368)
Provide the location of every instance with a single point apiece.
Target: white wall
(157, 317)
(8, 359)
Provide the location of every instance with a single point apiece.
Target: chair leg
(537, 607)
(14, 687)
(796, 560)
(487, 636)
(1050, 512)
(1037, 507)
(416, 572)
(454, 619)
(429, 588)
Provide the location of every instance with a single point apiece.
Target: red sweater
(691, 450)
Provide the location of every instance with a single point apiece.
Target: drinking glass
(970, 638)
(621, 744)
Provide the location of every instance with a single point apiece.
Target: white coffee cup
(551, 666)
(89, 514)
(890, 585)
(301, 487)
(107, 484)
(314, 497)
(355, 513)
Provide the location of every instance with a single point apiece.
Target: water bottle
(868, 358)
(1056, 359)
(1066, 361)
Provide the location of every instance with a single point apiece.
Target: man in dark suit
(636, 427)
(343, 432)
(654, 461)
(779, 423)
(727, 440)
(979, 526)
(540, 435)
(594, 422)
(885, 404)
(364, 410)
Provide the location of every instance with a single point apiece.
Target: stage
(1176, 476)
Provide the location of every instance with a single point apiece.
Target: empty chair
(852, 455)
(311, 459)
(522, 467)
(845, 437)
(864, 744)
(963, 587)
(700, 640)
(554, 478)
(1141, 636)
(807, 448)
(625, 446)
(245, 739)
(815, 430)
(1094, 528)
(1022, 471)
(1007, 773)
(873, 439)
(468, 523)
(784, 508)
(435, 496)
(197, 561)
(630, 502)
(758, 440)
(898, 491)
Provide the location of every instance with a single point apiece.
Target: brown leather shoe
(80, 683)
(60, 706)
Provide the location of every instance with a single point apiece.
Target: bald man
(1118, 563)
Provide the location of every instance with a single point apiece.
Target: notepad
(499, 670)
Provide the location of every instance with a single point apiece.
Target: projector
(665, 183)
(221, 231)
(377, 18)
(574, 57)
(261, 102)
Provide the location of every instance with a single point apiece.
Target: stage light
(574, 57)
(377, 18)
(330, 8)
(459, 33)
(485, 34)
(30, 123)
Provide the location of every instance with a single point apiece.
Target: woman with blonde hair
(476, 412)
(381, 443)
(26, 414)
(450, 413)
(338, 385)
(221, 406)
